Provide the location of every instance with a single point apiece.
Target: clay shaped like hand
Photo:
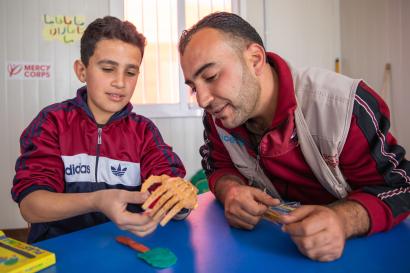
(173, 194)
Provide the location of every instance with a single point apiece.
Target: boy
(83, 160)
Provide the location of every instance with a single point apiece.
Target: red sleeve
(215, 158)
(40, 165)
(374, 165)
(157, 157)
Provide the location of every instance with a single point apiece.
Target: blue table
(204, 243)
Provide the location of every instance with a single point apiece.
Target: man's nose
(204, 97)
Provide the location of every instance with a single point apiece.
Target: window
(161, 91)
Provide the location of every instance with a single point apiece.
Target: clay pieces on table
(159, 257)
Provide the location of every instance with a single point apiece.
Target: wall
(372, 37)
(305, 33)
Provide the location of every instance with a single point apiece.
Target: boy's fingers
(135, 219)
(135, 197)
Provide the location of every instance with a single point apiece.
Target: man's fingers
(296, 215)
(317, 240)
(306, 227)
(239, 222)
(261, 203)
(264, 198)
(248, 218)
(302, 222)
(322, 252)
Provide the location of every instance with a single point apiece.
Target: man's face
(111, 76)
(224, 85)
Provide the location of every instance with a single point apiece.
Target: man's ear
(80, 70)
(256, 56)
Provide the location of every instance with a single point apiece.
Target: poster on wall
(63, 28)
(28, 71)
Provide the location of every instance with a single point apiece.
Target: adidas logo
(73, 169)
(118, 171)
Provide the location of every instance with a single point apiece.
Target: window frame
(161, 110)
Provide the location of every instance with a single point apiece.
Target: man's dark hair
(108, 28)
(229, 23)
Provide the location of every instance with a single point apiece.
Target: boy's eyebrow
(199, 71)
(111, 62)
(107, 62)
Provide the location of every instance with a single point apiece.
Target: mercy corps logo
(26, 71)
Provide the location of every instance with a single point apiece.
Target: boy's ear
(80, 70)
(256, 56)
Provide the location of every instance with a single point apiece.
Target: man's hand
(320, 232)
(244, 205)
(113, 204)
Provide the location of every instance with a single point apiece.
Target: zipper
(97, 154)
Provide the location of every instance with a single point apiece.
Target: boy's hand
(113, 204)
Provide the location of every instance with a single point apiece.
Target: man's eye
(131, 73)
(107, 69)
(193, 90)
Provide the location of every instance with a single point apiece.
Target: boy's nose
(119, 81)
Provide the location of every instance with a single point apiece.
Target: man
(83, 160)
(311, 136)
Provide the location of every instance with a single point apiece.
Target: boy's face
(111, 76)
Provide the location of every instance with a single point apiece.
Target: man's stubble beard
(247, 99)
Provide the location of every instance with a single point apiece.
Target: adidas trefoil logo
(118, 171)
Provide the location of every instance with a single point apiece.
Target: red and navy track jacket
(64, 150)
(372, 162)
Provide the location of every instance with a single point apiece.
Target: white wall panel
(373, 33)
(304, 32)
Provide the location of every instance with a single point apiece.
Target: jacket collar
(286, 104)
(81, 101)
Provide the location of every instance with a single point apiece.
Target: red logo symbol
(14, 69)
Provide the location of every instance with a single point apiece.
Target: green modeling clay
(159, 257)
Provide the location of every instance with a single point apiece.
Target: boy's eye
(211, 78)
(107, 69)
(131, 73)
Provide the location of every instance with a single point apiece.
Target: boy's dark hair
(229, 23)
(109, 28)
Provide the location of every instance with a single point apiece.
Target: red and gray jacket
(348, 123)
(64, 150)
